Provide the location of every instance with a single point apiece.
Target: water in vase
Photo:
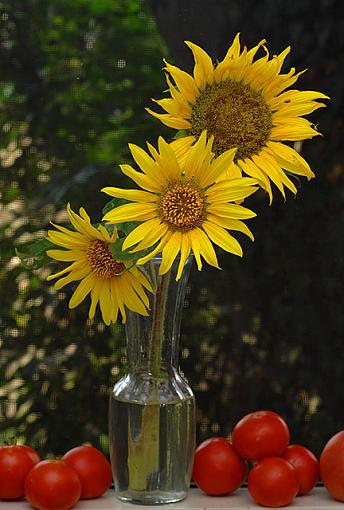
(152, 449)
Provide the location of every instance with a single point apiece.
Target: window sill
(318, 499)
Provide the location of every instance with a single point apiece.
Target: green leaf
(115, 202)
(124, 255)
(124, 227)
(127, 227)
(181, 133)
(118, 253)
(33, 253)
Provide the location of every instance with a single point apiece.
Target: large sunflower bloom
(243, 103)
(181, 207)
(111, 283)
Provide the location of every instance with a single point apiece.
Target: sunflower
(243, 103)
(181, 207)
(112, 283)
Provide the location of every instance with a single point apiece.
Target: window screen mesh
(266, 331)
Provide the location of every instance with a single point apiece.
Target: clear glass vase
(152, 408)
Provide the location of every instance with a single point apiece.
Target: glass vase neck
(153, 341)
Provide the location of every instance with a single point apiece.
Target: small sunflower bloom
(243, 103)
(111, 283)
(182, 208)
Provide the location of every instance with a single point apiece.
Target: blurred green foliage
(75, 77)
(266, 331)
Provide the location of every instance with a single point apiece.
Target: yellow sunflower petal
(114, 303)
(181, 148)
(95, 291)
(83, 226)
(185, 83)
(130, 298)
(117, 298)
(146, 163)
(218, 167)
(175, 108)
(275, 178)
(77, 265)
(232, 53)
(169, 160)
(151, 238)
(140, 232)
(141, 278)
(203, 70)
(231, 224)
(153, 151)
(77, 274)
(83, 289)
(142, 180)
(170, 120)
(64, 255)
(269, 165)
(63, 271)
(206, 248)
(170, 251)
(107, 238)
(134, 195)
(231, 190)
(105, 301)
(298, 129)
(222, 238)
(178, 96)
(277, 86)
(67, 241)
(138, 288)
(291, 110)
(293, 97)
(234, 65)
(269, 160)
(232, 172)
(156, 250)
(196, 247)
(231, 211)
(76, 236)
(251, 169)
(185, 250)
(252, 52)
(131, 212)
(294, 162)
(84, 215)
(195, 157)
(114, 235)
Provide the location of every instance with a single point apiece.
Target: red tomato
(52, 485)
(15, 464)
(93, 468)
(217, 468)
(306, 465)
(260, 434)
(273, 482)
(331, 465)
(31, 452)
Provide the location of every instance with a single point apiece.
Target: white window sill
(318, 499)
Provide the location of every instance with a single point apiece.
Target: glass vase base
(150, 498)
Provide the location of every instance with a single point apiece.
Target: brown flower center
(182, 206)
(235, 114)
(101, 260)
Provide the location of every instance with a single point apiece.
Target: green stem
(143, 454)
(157, 334)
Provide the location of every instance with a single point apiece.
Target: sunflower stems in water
(143, 453)
(158, 326)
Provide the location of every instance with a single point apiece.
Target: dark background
(267, 330)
